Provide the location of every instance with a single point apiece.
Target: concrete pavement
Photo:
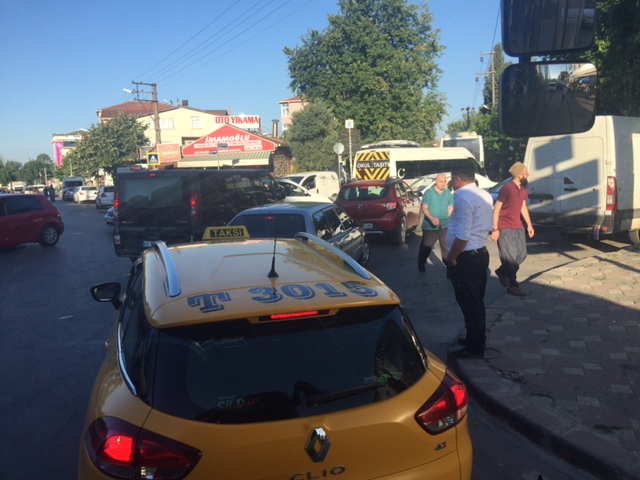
(562, 365)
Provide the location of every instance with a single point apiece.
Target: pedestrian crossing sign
(153, 158)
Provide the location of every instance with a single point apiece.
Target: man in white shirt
(468, 260)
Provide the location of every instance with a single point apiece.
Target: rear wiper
(320, 398)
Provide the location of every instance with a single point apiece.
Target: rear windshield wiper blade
(320, 398)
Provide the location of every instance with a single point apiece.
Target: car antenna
(273, 273)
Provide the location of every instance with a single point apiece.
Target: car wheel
(49, 236)
(634, 237)
(366, 253)
(400, 235)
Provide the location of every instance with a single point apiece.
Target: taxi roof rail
(355, 266)
(172, 282)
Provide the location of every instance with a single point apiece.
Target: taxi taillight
(123, 450)
(446, 407)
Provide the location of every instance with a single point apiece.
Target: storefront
(229, 147)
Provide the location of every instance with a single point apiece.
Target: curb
(565, 439)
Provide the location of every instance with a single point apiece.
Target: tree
(108, 144)
(617, 56)
(313, 133)
(39, 170)
(9, 171)
(374, 63)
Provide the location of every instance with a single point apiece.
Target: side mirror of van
(541, 27)
(547, 98)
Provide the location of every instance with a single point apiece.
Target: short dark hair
(464, 174)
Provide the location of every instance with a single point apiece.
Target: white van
(321, 183)
(587, 182)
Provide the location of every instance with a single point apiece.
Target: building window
(195, 122)
(167, 124)
(285, 109)
(285, 127)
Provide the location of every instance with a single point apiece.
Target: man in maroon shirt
(508, 228)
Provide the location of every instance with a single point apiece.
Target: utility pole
(156, 116)
(492, 72)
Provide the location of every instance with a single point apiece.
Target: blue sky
(62, 61)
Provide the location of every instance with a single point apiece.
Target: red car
(29, 218)
(384, 207)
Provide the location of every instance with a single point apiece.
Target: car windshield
(254, 370)
(268, 225)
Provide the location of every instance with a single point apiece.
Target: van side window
(309, 183)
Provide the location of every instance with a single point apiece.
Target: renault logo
(317, 445)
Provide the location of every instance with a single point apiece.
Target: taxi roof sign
(225, 233)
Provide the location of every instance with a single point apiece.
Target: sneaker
(504, 281)
(516, 291)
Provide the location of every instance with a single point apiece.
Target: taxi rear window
(242, 372)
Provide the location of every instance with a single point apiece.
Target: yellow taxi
(267, 359)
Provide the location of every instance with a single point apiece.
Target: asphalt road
(53, 333)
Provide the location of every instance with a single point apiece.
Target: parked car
(110, 216)
(28, 219)
(67, 193)
(325, 220)
(105, 196)
(296, 193)
(85, 194)
(267, 358)
(384, 207)
(495, 190)
(421, 184)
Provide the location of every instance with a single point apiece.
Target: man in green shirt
(437, 205)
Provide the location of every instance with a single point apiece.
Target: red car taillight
(123, 450)
(391, 206)
(612, 194)
(116, 207)
(446, 407)
(194, 206)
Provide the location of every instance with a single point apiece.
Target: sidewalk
(562, 365)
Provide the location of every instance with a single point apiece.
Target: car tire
(366, 254)
(400, 235)
(634, 237)
(49, 236)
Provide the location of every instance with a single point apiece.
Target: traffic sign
(153, 158)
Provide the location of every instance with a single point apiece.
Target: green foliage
(500, 151)
(38, 170)
(312, 135)
(617, 57)
(108, 144)
(9, 171)
(375, 63)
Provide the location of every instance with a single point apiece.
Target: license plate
(147, 244)
(368, 226)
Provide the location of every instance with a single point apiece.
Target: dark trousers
(429, 239)
(469, 280)
(512, 247)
